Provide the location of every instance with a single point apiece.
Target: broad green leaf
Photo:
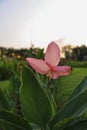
(3, 101)
(81, 125)
(35, 102)
(74, 107)
(71, 124)
(81, 87)
(67, 122)
(45, 84)
(12, 121)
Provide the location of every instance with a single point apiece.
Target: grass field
(65, 85)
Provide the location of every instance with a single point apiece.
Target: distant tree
(76, 53)
(67, 51)
(83, 52)
(80, 53)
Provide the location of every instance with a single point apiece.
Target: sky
(38, 22)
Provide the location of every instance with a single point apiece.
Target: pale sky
(42, 21)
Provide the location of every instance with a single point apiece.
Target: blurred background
(28, 26)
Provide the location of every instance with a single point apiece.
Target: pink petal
(52, 56)
(55, 75)
(39, 66)
(62, 70)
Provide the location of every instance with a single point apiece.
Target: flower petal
(52, 56)
(62, 70)
(55, 75)
(39, 66)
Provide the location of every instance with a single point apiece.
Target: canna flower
(49, 65)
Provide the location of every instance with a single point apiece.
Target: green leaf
(67, 122)
(3, 101)
(71, 124)
(35, 102)
(74, 108)
(47, 85)
(81, 125)
(12, 121)
(81, 87)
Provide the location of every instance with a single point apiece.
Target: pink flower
(49, 66)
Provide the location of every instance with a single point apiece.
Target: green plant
(38, 105)
(36, 98)
(8, 67)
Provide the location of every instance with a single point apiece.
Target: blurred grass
(65, 85)
(78, 64)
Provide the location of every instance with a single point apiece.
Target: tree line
(78, 53)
